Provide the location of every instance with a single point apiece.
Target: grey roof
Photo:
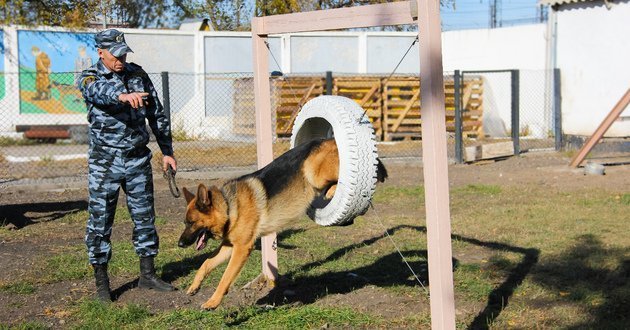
(564, 2)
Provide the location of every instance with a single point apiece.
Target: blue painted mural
(49, 64)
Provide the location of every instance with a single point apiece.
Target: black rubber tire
(342, 118)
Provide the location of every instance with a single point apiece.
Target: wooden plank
(601, 130)
(405, 111)
(489, 151)
(289, 126)
(368, 95)
(435, 168)
(264, 135)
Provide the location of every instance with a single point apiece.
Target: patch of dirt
(39, 235)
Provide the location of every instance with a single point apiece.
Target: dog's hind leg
(218, 257)
(237, 261)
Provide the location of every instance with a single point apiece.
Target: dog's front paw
(192, 290)
(210, 304)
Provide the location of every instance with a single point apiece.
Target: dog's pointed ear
(188, 195)
(203, 197)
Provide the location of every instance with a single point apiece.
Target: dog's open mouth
(201, 241)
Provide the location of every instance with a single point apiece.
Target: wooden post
(435, 165)
(264, 135)
(601, 130)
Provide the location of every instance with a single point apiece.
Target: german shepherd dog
(257, 204)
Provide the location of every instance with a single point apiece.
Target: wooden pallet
(290, 94)
(244, 119)
(401, 108)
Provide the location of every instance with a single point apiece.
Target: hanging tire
(342, 118)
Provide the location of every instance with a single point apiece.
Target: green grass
(624, 199)
(478, 189)
(20, 287)
(92, 314)
(29, 325)
(8, 141)
(524, 257)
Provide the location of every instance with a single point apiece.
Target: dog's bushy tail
(381, 171)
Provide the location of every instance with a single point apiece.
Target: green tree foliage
(69, 13)
(226, 15)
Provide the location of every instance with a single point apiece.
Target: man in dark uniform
(120, 97)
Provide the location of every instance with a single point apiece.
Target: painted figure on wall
(42, 73)
(81, 62)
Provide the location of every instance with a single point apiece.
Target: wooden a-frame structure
(426, 13)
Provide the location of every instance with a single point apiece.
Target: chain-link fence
(44, 122)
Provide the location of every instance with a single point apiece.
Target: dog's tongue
(201, 242)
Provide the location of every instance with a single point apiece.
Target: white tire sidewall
(354, 135)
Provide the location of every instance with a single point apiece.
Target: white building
(590, 44)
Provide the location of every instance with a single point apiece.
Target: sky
(475, 14)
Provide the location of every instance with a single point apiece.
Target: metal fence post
(166, 99)
(459, 155)
(329, 82)
(515, 111)
(557, 110)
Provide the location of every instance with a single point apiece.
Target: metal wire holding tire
(169, 175)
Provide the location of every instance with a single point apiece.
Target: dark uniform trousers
(109, 170)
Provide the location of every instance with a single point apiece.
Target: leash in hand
(169, 175)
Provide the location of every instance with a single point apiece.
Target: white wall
(593, 53)
(518, 47)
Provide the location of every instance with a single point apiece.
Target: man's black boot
(103, 292)
(148, 278)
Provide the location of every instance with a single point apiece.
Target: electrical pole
(495, 14)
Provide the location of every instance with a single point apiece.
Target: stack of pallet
(401, 108)
(393, 105)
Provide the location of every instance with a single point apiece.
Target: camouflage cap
(112, 40)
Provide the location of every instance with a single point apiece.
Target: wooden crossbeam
(393, 13)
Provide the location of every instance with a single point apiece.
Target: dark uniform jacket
(116, 124)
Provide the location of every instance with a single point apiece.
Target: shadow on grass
(388, 271)
(499, 298)
(22, 215)
(581, 273)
